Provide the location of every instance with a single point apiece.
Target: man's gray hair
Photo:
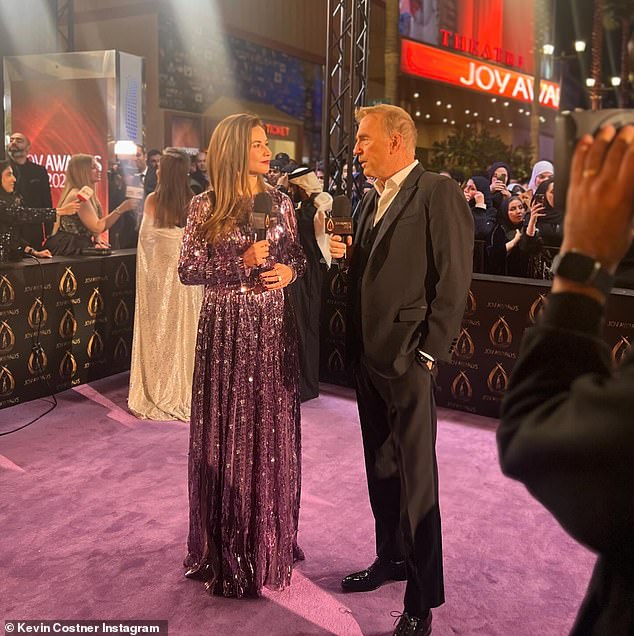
(395, 119)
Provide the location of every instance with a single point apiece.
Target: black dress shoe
(379, 572)
(413, 626)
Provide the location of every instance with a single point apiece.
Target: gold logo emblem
(7, 382)
(500, 334)
(67, 325)
(338, 285)
(68, 366)
(95, 347)
(498, 379)
(7, 293)
(121, 351)
(68, 283)
(37, 314)
(7, 338)
(38, 361)
(536, 308)
(461, 388)
(335, 362)
(121, 314)
(471, 305)
(465, 347)
(330, 226)
(122, 276)
(620, 349)
(96, 303)
(337, 324)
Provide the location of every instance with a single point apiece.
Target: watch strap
(584, 269)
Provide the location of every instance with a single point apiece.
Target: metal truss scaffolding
(345, 89)
(63, 15)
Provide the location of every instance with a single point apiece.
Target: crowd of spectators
(518, 225)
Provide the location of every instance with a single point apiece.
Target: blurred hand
(128, 205)
(338, 246)
(600, 201)
(277, 277)
(42, 254)
(479, 198)
(68, 209)
(257, 254)
(283, 181)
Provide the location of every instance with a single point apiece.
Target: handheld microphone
(339, 221)
(85, 193)
(262, 206)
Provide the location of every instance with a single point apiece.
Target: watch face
(576, 267)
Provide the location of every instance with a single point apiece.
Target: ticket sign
(432, 63)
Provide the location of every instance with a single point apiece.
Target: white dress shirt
(389, 189)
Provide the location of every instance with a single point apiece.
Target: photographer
(566, 429)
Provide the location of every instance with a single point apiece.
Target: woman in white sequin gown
(166, 311)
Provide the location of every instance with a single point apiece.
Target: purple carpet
(93, 504)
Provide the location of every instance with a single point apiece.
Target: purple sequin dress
(244, 455)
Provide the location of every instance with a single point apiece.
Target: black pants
(398, 425)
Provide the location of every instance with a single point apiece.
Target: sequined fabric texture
(244, 455)
(165, 326)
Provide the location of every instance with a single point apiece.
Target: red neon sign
(427, 61)
(277, 131)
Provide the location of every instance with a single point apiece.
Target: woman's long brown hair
(228, 169)
(173, 194)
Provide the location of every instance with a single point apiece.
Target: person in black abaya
(305, 293)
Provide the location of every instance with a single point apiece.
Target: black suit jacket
(416, 280)
(567, 433)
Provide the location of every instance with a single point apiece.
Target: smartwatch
(583, 269)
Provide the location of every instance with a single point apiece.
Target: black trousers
(398, 425)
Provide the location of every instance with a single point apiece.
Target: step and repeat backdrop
(80, 311)
(497, 312)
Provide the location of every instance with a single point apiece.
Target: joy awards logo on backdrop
(498, 380)
(96, 303)
(7, 383)
(67, 325)
(461, 388)
(536, 308)
(465, 347)
(38, 362)
(122, 276)
(7, 338)
(67, 366)
(121, 314)
(620, 349)
(37, 315)
(67, 283)
(7, 293)
(500, 334)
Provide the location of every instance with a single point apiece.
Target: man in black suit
(567, 429)
(32, 185)
(408, 280)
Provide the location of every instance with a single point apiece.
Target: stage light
(427, 116)
(418, 113)
(505, 104)
(475, 114)
(453, 122)
(438, 102)
(416, 95)
(444, 120)
(448, 105)
(467, 111)
(494, 99)
(510, 124)
(580, 46)
(125, 147)
(615, 81)
(548, 49)
(590, 82)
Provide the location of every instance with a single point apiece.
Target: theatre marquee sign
(478, 75)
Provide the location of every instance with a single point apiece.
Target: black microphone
(339, 221)
(262, 206)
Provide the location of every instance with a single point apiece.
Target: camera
(569, 128)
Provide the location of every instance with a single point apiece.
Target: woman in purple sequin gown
(244, 455)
